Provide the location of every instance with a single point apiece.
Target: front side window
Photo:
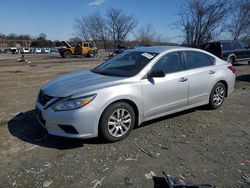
(126, 64)
(170, 63)
(198, 59)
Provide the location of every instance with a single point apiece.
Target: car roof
(159, 49)
(154, 49)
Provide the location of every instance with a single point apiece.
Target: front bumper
(83, 120)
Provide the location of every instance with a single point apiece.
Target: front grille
(43, 98)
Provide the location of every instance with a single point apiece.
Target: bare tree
(81, 28)
(119, 25)
(201, 19)
(239, 27)
(145, 34)
(92, 27)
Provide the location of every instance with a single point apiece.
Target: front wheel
(117, 121)
(217, 95)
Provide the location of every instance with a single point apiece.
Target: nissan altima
(135, 86)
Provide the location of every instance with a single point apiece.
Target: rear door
(201, 75)
(167, 93)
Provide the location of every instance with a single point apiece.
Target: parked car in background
(232, 51)
(121, 49)
(46, 50)
(25, 50)
(38, 50)
(133, 87)
(54, 50)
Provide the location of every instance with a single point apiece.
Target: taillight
(232, 68)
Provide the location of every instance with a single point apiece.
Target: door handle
(212, 71)
(183, 79)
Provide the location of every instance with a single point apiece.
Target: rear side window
(198, 59)
(170, 63)
(237, 45)
(226, 46)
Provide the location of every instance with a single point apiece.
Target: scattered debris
(244, 132)
(183, 136)
(47, 183)
(105, 169)
(30, 148)
(97, 182)
(149, 153)
(47, 164)
(131, 159)
(22, 59)
(176, 182)
(128, 182)
(150, 175)
(246, 177)
(164, 147)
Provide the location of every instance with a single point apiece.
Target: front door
(164, 94)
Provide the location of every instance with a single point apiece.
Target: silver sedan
(135, 86)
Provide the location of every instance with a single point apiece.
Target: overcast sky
(56, 17)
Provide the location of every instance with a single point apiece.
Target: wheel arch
(231, 55)
(128, 101)
(225, 84)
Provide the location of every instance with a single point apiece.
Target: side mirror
(155, 73)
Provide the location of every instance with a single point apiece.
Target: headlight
(72, 104)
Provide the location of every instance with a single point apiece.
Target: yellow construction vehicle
(86, 49)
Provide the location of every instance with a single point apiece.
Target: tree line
(28, 41)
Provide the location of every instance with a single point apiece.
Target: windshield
(126, 64)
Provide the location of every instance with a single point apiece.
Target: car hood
(79, 82)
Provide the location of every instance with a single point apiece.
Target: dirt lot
(201, 145)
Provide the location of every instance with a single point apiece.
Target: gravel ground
(199, 145)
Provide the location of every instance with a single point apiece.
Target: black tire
(67, 54)
(216, 99)
(107, 128)
(248, 62)
(231, 60)
(91, 54)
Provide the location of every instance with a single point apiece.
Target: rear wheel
(91, 54)
(67, 54)
(217, 95)
(248, 62)
(117, 121)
